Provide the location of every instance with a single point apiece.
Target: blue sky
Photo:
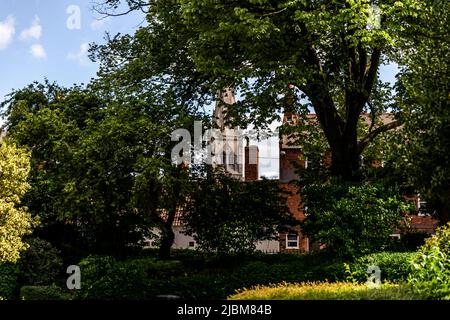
(36, 42)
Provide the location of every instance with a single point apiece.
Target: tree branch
(274, 13)
(372, 117)
(362, 61)
(371, 73)
(372, 135)
(106, 8)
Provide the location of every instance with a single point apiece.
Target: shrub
(430, 274)
(201, 286)
(105, 278)
(191, 259)
(8, 281)
(41, 263)
(394, 266)
(44, 293)
(222, 282)
(326, 291)
(352, 219)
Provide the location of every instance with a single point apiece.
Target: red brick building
(294, 240)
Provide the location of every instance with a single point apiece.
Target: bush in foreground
(327, 291)
(104, 278)
(42, 293)
(8, 281)
(218, 277)
(394, 266)
(430, 274)
(41, 263)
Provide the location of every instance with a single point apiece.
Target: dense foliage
(394, 266)
(9, 274)
(423, 97)
(226, 215)
(43, 293)
(352, 219)
(101, 172)
(100, 177)
(203, 276)
(431, 267)
(283, 55)
(40, 264)
(15, 220)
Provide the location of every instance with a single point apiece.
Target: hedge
(327, 291)
(44, 293)
(8, 281)
(105, 278)
(40, 264)
(218, 277)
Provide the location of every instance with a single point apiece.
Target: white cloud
(33, 32)
(7, 30)
(38, 51)
(98, 24)
(81, 56)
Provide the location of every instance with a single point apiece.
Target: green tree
(102, 172)
(423, 97)
(15, 221)
(328, 51)
(352, 219)
(226, 215)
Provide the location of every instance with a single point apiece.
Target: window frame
(297, 240)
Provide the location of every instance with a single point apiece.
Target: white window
(292, 241)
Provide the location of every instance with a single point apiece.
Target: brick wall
(287, 169)
(426, 224)
(251, 163)
(294, 205)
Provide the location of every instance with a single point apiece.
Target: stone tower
(229, 152)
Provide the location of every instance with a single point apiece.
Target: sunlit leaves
(15, 221)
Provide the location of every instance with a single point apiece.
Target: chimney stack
(251, 163)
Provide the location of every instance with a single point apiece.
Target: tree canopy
(423, 96)
(101, 167)
(324, 54)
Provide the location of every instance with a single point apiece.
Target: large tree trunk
(346, 162)
(167, 234)
(341, 130)
(167, 238)
(342, 138)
